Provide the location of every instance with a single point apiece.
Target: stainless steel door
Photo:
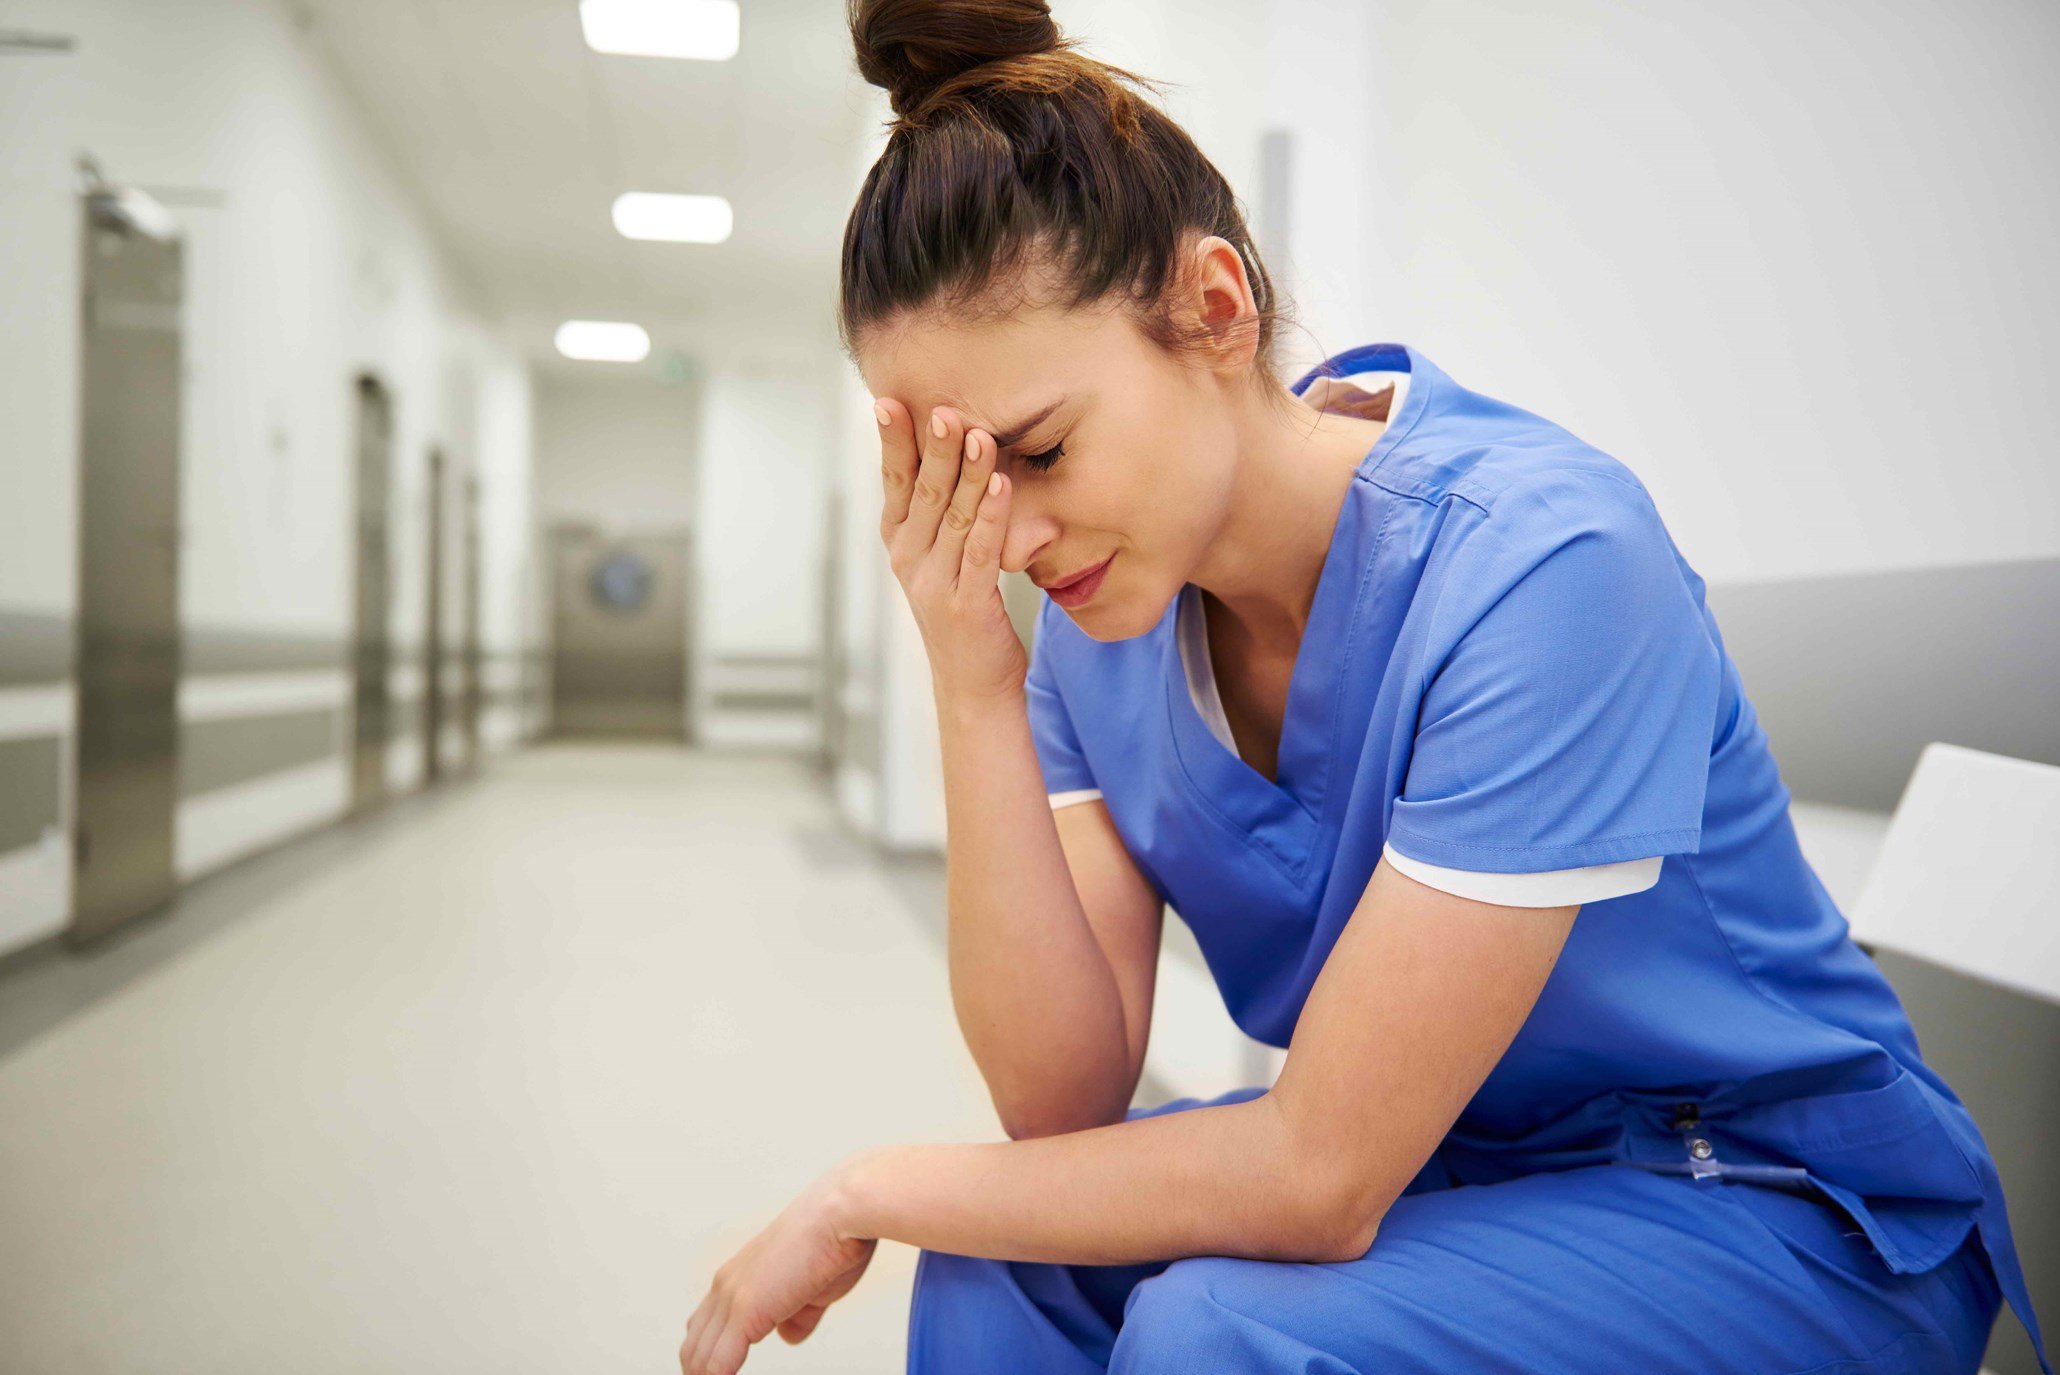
(128, 637)
(619, 634)
(469, 687)
(374, 646)
(432, 647)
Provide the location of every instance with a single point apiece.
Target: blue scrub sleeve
(1051, 726)
(1574, 687)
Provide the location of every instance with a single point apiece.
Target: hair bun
(909, 47)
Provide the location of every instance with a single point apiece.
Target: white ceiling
(519, 137)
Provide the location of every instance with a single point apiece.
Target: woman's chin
(1109, 619)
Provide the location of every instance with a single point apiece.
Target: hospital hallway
(490, 1080)
(474, 715)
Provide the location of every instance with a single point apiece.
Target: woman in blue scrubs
(1403, 699)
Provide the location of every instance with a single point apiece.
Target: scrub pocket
(1914, 1324)
(1884, 1156)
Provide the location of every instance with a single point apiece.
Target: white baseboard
(35, 892)
(221, 826)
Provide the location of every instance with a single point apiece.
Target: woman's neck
(1293, 468)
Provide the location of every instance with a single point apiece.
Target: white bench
(1961, 909)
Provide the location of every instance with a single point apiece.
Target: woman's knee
(956, 1300)
(972, 1316)
(947, 1285)
(1201, 1312)
(1210, 1313)
(1170, 1322)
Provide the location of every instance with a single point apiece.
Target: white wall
(1319, 84)
(614, 446)
(512, 609)
(765, 460)
(762, 486)
(1790, 263)
(307, 262)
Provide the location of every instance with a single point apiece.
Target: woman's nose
(1028, 532)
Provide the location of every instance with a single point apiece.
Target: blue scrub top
(1509, 667)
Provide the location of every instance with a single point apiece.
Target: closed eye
(1042, 462)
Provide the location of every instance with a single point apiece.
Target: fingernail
(994, 484)
(880, 414)
(937, 425)
(972, 450)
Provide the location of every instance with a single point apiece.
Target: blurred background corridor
(470, 822)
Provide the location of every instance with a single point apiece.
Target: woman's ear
(1221, 296)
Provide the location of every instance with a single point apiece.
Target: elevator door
(373, 655)
(128, 629)
(619, 634)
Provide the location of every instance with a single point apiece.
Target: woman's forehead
(995, 370)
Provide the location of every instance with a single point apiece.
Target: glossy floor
(489, 1082)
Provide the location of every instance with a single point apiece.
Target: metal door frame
(432, 633)
(126, 639)
(469, 686)
(372, 634)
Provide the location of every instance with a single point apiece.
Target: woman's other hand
(945, 512)
(781, 1281)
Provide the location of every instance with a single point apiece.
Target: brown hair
(1011, 150)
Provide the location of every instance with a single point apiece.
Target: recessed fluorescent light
(603, 341)
(676, 219)
(706, 29)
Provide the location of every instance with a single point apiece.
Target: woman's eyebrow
(1018, 432)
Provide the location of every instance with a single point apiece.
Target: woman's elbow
(1339, 1222)
(1348, 1238)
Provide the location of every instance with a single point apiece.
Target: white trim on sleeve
(1545, 888)
(1066, 799)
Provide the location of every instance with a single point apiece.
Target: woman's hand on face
(781, 1281)
(945, 513)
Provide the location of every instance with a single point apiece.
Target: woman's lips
(1077, 593)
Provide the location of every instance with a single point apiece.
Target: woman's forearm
(1224, 1179)
(1035, 997)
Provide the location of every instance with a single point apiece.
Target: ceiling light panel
(674, 219)
(603, 341)
(704, 29)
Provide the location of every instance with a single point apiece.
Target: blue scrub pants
(1604, 1268)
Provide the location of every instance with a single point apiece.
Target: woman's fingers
(936, 479)
(898, 458)
(931, 483)
(697, 1321)
(696, 1342)
(726, 1357)
(974, 468)
(796, 1329)
(806, 1318)
(701, 1345)
(981, 565)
